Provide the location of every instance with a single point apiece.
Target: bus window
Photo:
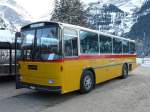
(70, 42)
(125, 46)
(105, 44)
(40, 44)
(89, 42)
(47, 44)
(132, 47)
(28, 37)
(117, 46)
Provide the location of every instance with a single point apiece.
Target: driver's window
(70, 42)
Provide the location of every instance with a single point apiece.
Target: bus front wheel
(86, 82)
(124, 71)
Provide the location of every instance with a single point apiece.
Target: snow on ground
(139, 60)
(144, 62)
(125, 5)
(131, 5)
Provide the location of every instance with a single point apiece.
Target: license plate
(32, 87)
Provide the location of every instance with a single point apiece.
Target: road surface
(128, 95)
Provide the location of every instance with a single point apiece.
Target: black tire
(124, 71)
(86, 82)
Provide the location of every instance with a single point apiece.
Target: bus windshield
(41, 44)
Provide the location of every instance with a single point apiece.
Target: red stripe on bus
(83, 57)
(107, 56)
(53, 61)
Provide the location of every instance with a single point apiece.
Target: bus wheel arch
(87, 73)
(94, 76)
(126, 65)
(125, 70)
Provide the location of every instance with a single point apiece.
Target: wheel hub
(87, 82)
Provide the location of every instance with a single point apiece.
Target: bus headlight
(21, 78)
(51, 81)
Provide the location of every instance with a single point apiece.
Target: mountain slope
(125, 5)
(125, 14)
(13, 15)
(110, 19)
(141, 29)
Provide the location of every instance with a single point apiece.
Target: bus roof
(94, 31)
(78, 28)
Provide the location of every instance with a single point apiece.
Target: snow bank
(139, 60)
(144, 62)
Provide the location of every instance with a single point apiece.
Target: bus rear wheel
(86, 82)
(124, 71)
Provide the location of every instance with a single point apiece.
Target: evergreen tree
(69, 11)
(2, 23)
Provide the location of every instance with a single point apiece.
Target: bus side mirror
(18, 34)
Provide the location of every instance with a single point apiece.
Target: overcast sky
(38, 8)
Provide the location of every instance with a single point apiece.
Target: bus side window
(125, 46)
(117, 46)
(89, 42)
(132, 48)
(70, 43)
(105, 44)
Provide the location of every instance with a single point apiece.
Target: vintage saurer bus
(59, 57)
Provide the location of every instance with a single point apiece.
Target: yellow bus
(62, 58)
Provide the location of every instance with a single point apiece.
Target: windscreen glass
(41, 44)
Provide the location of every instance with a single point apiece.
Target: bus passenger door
(71, 67)
(115, 68)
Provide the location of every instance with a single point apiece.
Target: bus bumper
(51, 89)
